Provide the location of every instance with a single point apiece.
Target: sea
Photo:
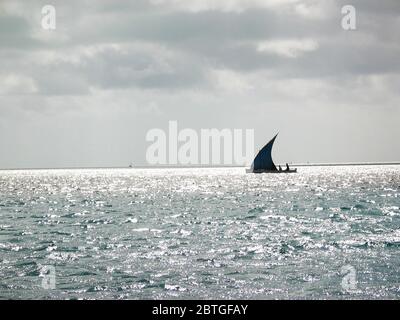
(328, 232)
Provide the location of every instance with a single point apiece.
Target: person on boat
(287, 167)
(279, 168)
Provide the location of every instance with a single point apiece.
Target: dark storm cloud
(197, 42)
(149, 68)
(15, 33)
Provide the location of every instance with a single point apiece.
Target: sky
(87, 93)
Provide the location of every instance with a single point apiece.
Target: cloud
(129, 66)
(221, 5)
(175, 44)
(288, 48)
(16, 84)
(229, 81)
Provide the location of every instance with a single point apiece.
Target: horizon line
(166, 166)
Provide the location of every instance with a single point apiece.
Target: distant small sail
(263, 160)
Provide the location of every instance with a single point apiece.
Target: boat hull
(271, 171)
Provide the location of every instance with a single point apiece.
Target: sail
(263, 160)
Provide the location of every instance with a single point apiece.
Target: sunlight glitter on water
(200, 233)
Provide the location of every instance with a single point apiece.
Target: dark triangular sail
(263, 160)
